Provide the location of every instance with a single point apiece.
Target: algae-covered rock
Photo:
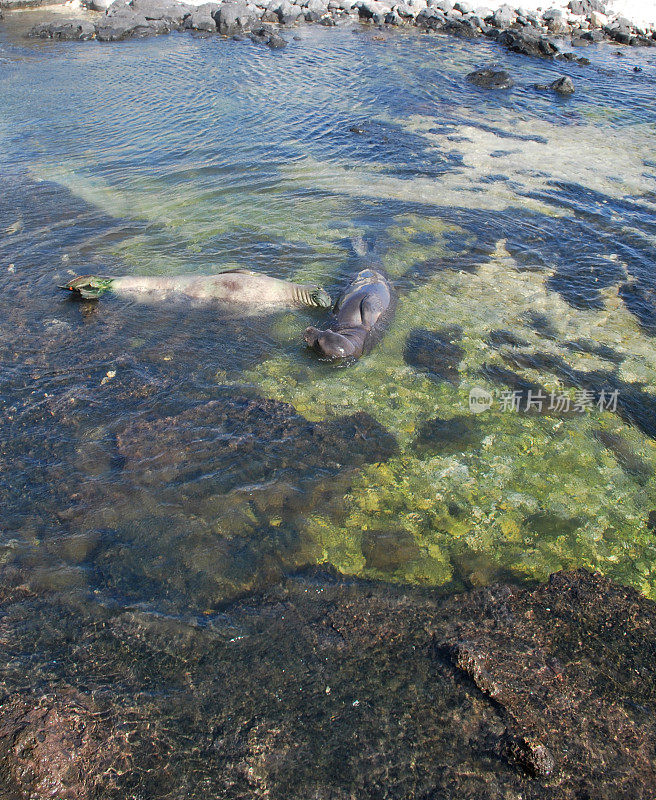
(502, 692)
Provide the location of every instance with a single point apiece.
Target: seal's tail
(321, 298)
(88, 287)
(360, 246)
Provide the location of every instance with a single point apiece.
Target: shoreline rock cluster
(535, 34)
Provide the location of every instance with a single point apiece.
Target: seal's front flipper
(88, 287)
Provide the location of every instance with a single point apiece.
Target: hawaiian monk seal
(358, 310)
(241, 287)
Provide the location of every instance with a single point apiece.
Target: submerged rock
(448, 436)
(58, 745)
(491, 79)
(227, 442)
(388, 550)
(435, 352)
(502, 692)
(563, 85)
(625, 454)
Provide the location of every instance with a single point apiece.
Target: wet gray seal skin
(241, 287)
(358, 313)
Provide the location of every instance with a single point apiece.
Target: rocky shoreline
(324, 687)
(547, 34)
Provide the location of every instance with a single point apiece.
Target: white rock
(597, 19)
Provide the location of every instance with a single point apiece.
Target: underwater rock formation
(436, 352)
(238, 439)
(490, 78)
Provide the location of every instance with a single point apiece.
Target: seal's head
(330, 344)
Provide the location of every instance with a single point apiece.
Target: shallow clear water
(141, 463)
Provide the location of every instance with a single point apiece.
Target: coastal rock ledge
(327, 687)
(545, 34)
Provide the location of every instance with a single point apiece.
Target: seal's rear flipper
(361, 247)
(88, 287)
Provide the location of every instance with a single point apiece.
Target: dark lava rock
(491, 79)
(235, 18)
(503, 17)
(441, 5)
(547, 694)
(65, 29)
(265, 35)
(126, 24)
(529, 42)
(430, 19)
(288, 13)
(517, 635)
(461, 28)
(261, 34)
(594, 35)
(435, 352)
(563, 85)
(276, 42)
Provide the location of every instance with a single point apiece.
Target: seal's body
(358, 310)
(234, 287)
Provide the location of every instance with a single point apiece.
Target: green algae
(523, 494)
(526, 494)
